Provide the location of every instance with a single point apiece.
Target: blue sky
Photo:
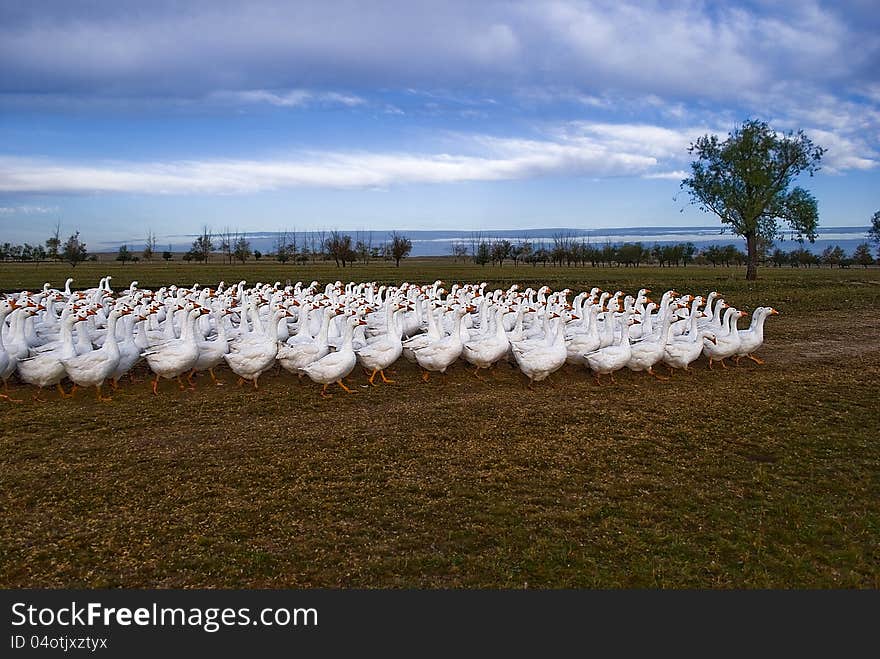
(117, 118)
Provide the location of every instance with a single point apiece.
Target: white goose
(650, 350)
(92, 368)
(211, 353)
(337, 365)
(171, 359)
(681, 350)
(7, 362)
(489, 348)
(727, 341)
(301, 350)
(538, 362)
(379, 354)
(752, 338)
(46, 368)
(253, 355)
(608, 359)
(439, 355)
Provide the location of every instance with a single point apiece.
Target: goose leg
(324, 393)
(101, 398)
(613, 381)
(155, 386)
(214, 378)
(723, 365)
(37, 397)
(240, 381)
(384, 379)
(10, 399)
(180, 383)
(755, 359)
(710, 364)
(256, 377)
(598, 378)
(373, 375)
(425, 376)
(659, 377)
(341, 384)
(72, 390)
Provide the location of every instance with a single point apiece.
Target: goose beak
(773, 312)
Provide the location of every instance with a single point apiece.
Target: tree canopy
(874, 231)
(74, 250)
(401, 246)
(746, 181)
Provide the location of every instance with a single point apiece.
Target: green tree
(874, 231)
(202, 246)
(124, 254)
(746, 181)
(482, 255)
(862, 255)
(74, 250)
(778, 257)
(687, 253)
(241, 249)
(167, 255)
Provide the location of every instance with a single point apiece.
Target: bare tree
(149, 246)
(459, 250)
(227, 243)
(202, 246)
(281, 246)
(53, 243)
(401, 246)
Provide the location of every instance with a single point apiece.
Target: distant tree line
(312, 246)
(73, 250)
(567, 250)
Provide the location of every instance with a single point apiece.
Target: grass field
(758, 476)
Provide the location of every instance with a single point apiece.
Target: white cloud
(575, 149)
(594, 46)
(590, 152)
(27, 210)
(677, 175)
(288, 98)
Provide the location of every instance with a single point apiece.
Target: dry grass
(751, 477)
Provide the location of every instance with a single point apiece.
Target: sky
(118, 118)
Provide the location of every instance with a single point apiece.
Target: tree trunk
(752, 247)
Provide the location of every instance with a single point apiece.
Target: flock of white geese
(95, 335)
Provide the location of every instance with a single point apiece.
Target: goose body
(336, 365)
(752, 338)
(539, 362)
